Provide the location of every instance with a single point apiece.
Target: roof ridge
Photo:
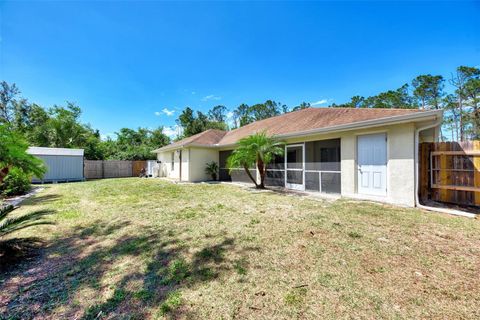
(347, 108)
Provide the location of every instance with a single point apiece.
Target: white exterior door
(372, 164)
(295, 166)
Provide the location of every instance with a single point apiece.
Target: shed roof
(298, 122)
(42, 151)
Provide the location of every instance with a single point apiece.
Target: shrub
(16, 182)
(212, 169)
(13, 154)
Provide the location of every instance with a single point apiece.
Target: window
(173, 160)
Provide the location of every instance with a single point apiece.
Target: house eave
(173, 148)
(168, 148)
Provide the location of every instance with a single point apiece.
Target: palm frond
(4, 213)
(258, 148)
(9, 225)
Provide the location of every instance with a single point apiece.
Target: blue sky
(131, 64)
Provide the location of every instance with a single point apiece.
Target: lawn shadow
(272, 190)
(18, 250)
(99, 228)
(15, 251)
(160, 268)
(40, 199)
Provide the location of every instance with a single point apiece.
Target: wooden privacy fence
(450, 172)
(101, 169)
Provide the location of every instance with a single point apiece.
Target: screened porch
(309, 166)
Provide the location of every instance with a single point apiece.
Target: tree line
(460, 102)
(60, 126)
(219, 117)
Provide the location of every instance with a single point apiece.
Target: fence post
(443, 172)
(424, 169)
(450, 195)
(476, 174)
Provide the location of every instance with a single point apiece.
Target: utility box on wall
(63, 164)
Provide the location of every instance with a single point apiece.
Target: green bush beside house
(16, 165)
(15, 183)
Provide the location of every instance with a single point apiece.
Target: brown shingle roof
(206, 138)
(292, 122)
(310, 119)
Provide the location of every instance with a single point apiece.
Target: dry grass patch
(144, 248)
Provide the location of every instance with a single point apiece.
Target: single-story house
(359, 153)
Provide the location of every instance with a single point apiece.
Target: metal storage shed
(63, 164)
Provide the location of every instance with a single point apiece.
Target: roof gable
(206, 138)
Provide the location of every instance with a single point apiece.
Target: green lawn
(146, 248)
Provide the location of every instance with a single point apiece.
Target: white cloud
(172, 131)
(193, 92)
(211, 97)
(319, 102)
(164, 111)
(168, 112)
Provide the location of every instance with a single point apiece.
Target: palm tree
(13, 154)
(259, 149)
(9, 225)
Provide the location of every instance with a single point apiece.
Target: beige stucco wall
(400, 162)
(166, 164)
(348, 165)
(185, 164)
(199, 158)
(401, 165)
(429, 135)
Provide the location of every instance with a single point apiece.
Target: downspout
(417, 200)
